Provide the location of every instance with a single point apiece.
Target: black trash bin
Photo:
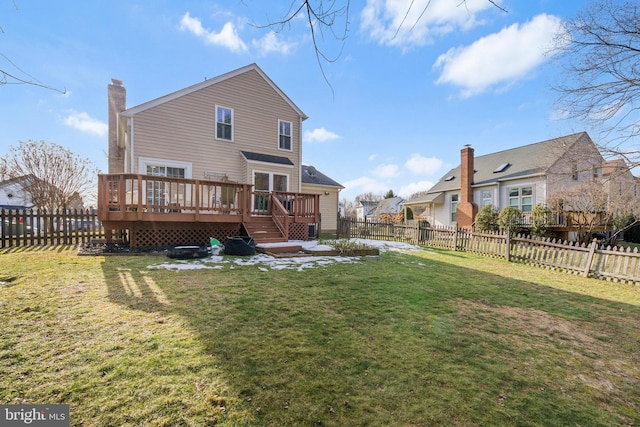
(239, 245)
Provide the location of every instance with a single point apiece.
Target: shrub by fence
(33, 227)
(593, 260)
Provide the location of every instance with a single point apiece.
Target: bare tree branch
(601, 84)
(57, 177)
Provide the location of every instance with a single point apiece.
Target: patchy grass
(421, 339)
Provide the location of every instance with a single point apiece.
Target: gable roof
(527, 160)
(129, 112)
(22, 180)
(311, 175)
(387, 206)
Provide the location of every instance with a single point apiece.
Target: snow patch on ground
(266, 262)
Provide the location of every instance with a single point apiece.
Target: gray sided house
(520, 177)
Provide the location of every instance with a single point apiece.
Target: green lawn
(427, 338)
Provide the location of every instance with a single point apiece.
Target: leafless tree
(55, 176)
(600, 49)
(593, 205)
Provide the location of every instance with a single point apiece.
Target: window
(574, 171)
(487, 198)
(503, 167)
(161, 193)
(521, 198)
(596, 171)
(263, 183)
(454, 207)
(224, 123)
(284, 132)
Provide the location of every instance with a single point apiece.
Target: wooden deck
(192, 211)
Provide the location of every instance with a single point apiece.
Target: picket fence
(34, 227)
(612, 263)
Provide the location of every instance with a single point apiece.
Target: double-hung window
(521, 198)
(487, 197)
(224, 123)
(454, 206)
(284, 135)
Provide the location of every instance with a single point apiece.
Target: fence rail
(609, 263)
(33, 227)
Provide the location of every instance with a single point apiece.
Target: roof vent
(450, 178)
(503, 167)
(311, 170)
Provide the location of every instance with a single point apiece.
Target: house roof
(266, 158)
(129, 112)
(311, 175)
(24, 179)
(527, 160)
(387, 206)
(368, 203)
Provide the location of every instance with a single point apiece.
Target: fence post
(455, 239)
(590, 257)
(508, 239)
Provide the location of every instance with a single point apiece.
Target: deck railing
(134, 197)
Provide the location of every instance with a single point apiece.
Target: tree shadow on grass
(401, 339)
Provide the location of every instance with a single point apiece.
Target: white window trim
(270, 173)
(143, 162)
(451, 210)
(520, 196)
(290, 136)
(215, 130)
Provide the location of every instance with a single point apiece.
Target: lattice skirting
(162, 234)
(299, 231)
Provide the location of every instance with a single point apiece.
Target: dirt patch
(583, 353)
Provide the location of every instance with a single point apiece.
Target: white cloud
(227, 37)
(365, 185)
(407, 23)
(418, 164)
(414, 187)
(85, 123)
(319, 135)
(386, 171)
(271, 43)
(372, 157)
(502, 57)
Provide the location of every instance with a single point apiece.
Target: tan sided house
(523, 177)
(216, 159)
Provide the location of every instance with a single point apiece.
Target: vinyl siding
(183, 129)
(328, 205)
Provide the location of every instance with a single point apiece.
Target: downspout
(132, 145)
(300, 154)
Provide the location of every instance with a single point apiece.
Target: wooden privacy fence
(34, 227)
(593, 260)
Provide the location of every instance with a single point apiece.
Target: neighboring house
(315, 182)
(238, 128)
(13, 194)
(391, 206)
(363, 211)
(520, 177)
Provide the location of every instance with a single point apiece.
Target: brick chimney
(467, 210)
(117, 98)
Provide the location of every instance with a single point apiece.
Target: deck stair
(264, 230)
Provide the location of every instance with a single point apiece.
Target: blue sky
(406, 92)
